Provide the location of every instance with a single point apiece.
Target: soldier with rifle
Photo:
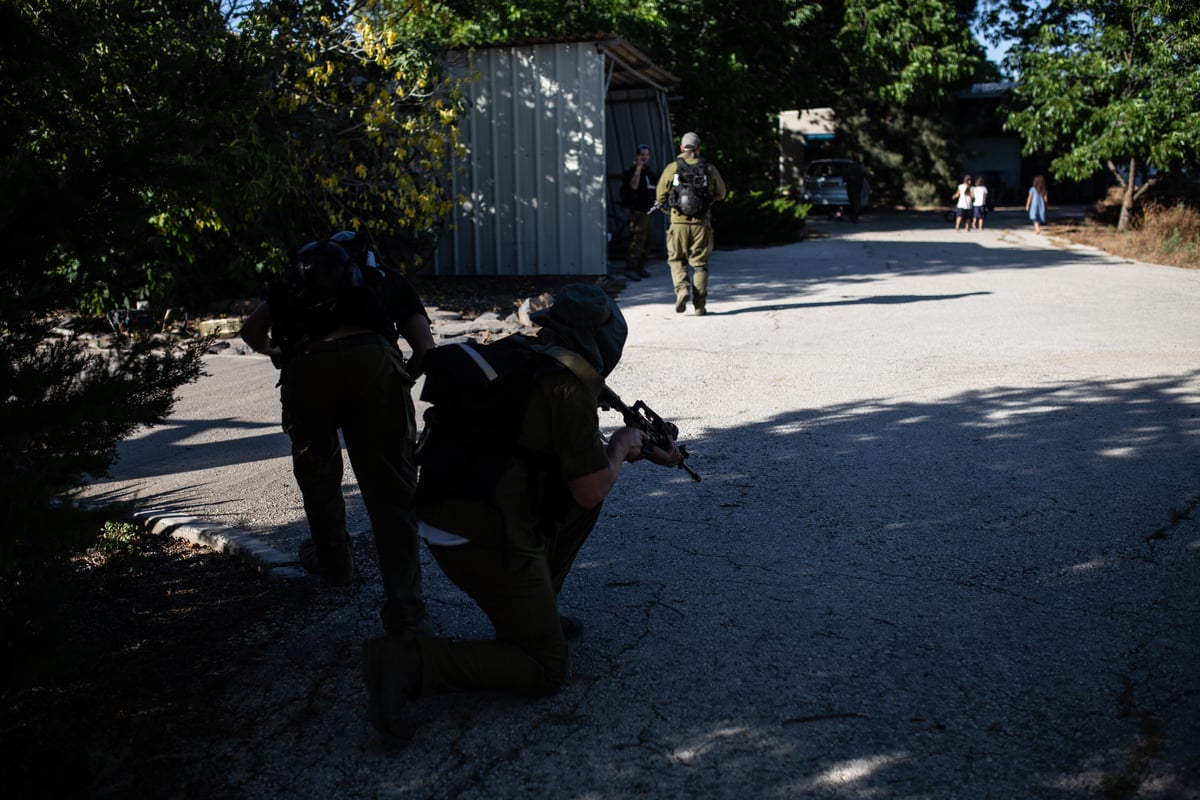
(513, 473)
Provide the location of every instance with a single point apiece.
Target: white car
(825, 185)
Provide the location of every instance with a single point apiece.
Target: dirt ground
(120, 668)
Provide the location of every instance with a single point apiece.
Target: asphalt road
(946, 546)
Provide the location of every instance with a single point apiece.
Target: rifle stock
(642, 417)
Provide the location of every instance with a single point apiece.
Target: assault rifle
(642, 417)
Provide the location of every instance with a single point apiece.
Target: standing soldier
(331, 325)
(689, 186)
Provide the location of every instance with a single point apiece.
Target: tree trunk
(1127, 196)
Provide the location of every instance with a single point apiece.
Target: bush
(1159, 233)
(759, 217)
(1177, 230)
(67, 404)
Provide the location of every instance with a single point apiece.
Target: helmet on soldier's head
(357, 245)
(319, 269)
(585, 319)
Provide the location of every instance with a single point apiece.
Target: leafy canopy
(359, 101)
(1108, 83)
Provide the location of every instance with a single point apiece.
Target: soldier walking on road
(689, 186)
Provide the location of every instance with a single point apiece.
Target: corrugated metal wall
(534, 176)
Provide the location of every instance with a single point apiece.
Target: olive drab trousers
(358, 384)
(517, 587)
(640, 234)
(690, 244)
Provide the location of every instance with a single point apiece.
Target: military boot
(334, 565)
(392, 672)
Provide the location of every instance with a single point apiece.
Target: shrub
(1160, 233)
(1177, 230)
(67, 404)
(121, 540)
(758, 217)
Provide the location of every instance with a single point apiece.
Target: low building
(550, 127)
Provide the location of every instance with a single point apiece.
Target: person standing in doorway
(637, 194)
(689, 186)
(1035, 202)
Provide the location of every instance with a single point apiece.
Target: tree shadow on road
(913, 581)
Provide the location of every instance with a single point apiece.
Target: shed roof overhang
(627, 66)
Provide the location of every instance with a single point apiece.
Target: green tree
(114, 114)
(906, 52)
(899, 63)
(362, 113)
(737, 62)
(153, 152)
(104, 127)
(1108, 84)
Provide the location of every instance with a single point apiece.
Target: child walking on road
(962, 208)
(1035, 202)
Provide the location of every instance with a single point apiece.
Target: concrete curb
(267, 560)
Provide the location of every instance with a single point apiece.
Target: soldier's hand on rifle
(657, 435)
(626, 444)
(645, 447)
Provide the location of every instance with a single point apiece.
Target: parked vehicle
(825, 184)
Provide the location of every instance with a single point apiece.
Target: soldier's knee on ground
(553, 662)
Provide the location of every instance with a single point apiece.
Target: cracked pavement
(946, 546)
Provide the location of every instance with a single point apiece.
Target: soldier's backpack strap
(578, 365)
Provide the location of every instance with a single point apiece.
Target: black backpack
(478, 395)
(690, 194)
(323, 286)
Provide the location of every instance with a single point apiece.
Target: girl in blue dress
(1035, 202)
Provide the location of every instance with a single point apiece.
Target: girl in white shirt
(961, 211)
(979, 202)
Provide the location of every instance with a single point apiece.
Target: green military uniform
(359, 384)
(518, 427)
(519, 550)
(689, 239)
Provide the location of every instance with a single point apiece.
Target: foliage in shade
(65, 406)
(757, 217)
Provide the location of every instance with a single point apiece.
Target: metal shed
(550, 128)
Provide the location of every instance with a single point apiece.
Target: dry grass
(1166, 231)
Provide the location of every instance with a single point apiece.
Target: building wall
(534, 177)
(1000, 158)
(804, 135)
